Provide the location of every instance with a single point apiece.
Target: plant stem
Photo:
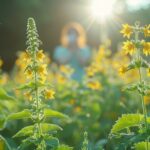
(144, 109)
(37, 100)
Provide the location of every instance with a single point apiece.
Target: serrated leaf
(126, 121)
(4, 144)
(51, 142)
(53, 113)
(141, 146)
(26, 131)
(45, 128)
(4, 95)
(20, 115)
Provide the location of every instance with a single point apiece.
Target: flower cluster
(131, 46)
(33, 58)
(136, 47)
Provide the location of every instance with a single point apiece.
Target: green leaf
(64, 147)
(51, 141)
(29, 130)
(141, 146)
(20, 115)
(4, 144)
(46, 127)
(2, 122)
(26, 131)
(132, 87)
(4, 95)
(126, 121)
(30, 85)
(52, 113)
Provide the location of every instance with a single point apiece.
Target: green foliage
(127, 121)
(29, 130)
(52, 113)
(4, 144)
(20, 115)
(141, 146)
(4, 95)
(85, 142)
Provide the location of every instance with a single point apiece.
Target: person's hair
(80, 31)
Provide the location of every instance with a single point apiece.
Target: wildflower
(29, 73)
(129, 47)
(25, 57)
(66, 69)
(42, 70)
(146, 100)
(146, 31)
(40, 55)
(77, 109)
(49, 94)
(123, 70)
(61, 79)
(72, 102)
(146, 48)
(94, 85)
(127, 30)
(148, 72)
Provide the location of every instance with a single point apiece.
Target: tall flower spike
(33, 41)
(36, 90)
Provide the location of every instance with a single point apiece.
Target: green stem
(37, 100)
(144, 110)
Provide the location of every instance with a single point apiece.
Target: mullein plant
(85, 142)
(39, 135)
(133, 130)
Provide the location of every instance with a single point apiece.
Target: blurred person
(73, 50)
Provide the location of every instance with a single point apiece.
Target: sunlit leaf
(20, 115)
(126, 121)
(45, 128)
(142, 146)
(52, 113)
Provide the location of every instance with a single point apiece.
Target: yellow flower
(127, 30)
(146, 100)
(146, 31)
(42, 70)
(43, 78)
(26, 57)
(77, 109)
(61, 79)
(72, 101)
(28, 95)
(146, 48)
(66, 69)
(1, 63)
(94, 85)
(49, 94)
(40, 55)
(123, 70)
(129, 47)
(148, 72)
(29, 73)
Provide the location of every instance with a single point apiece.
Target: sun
(102, 9)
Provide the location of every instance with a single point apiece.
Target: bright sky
(137, 4)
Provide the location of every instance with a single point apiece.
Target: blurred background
(52, 15)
